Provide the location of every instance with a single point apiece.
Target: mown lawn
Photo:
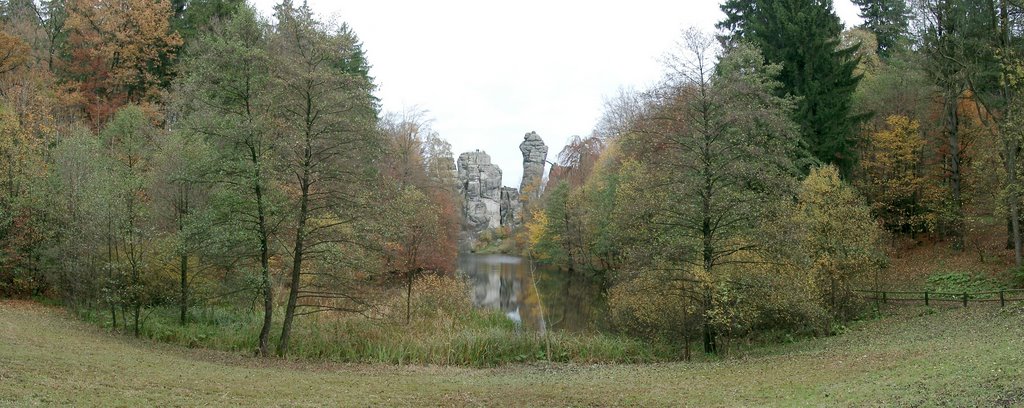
(957, 357)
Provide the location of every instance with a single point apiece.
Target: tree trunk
(293, 291)
(268, 290)
(1009, 233)
(684, 326)
(1011, 172)
(710, 347)
(408, 297)
(268, 297)
(184, 289)
(137, 311)
(133, 260)
(952, 131)
(686, 339)
(710, 335)
(183, 210)
(708, 257)
(1015, 213)
(1012, 148)
(110, 272)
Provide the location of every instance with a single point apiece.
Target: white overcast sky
(489, 72)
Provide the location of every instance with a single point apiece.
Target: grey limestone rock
(535, 155)
(511, 207)
(485, 203)
(480, 189)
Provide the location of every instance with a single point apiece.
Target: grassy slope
(958, 357)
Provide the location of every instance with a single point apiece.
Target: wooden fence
(1001, 296)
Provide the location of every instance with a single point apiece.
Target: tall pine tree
(804, 37)
(889, 20)
(193, 16)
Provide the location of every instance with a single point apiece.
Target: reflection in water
(504, 283)
(572, 301)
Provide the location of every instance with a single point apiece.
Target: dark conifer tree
(804, 37)
(889, 20)
(194, 16)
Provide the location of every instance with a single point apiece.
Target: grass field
(957, 357)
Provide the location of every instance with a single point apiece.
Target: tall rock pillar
(535, 155)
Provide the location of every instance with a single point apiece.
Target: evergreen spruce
(803, 36)
(889, 20)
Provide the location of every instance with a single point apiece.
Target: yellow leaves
(1011, 67)
(1014, 74)
(648, 306)
(535, 229)
(837, 238)
(893, 182)
(437, 296)
(870, 62)
(18, 157)
(901, 142)
(8, 141)
(8, 125)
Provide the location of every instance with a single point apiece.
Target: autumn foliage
(120, 52)
(893, 179)
(176, 154)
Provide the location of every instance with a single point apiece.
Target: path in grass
(971, 356)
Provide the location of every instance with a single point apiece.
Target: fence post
(926, 298)
(1002, 299)
(965, 299)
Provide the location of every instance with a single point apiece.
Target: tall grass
(445, 330)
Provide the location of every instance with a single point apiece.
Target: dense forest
(159, 153)
(196, 172)
(781, 164)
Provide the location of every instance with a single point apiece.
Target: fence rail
(1001, 296)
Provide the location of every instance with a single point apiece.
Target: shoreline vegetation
(444, 329)
(914, 356)
(447, 330)
(481, 338)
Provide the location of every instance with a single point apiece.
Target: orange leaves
(13, 52)
(426, 236)
(122, 51)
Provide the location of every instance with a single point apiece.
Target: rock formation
(480, 189)
(485, 203)
(535, 155)
(511, 207)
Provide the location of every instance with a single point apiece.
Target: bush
(17, 282)
(962, 282)
(1017, 277)
(644, 307)
(495, 241)
(436, 296)
(838, 241)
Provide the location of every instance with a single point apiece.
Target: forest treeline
(172, 153)
(182, 155)
(768, 175)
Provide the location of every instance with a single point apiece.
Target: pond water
(538, 298)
